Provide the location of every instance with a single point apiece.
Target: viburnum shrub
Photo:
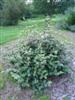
(38, 60)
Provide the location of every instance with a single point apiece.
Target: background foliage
(49, 7)
(11, 12)
(68, 20)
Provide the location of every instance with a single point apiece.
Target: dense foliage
(71, 16)
(45, 7)
(49, 7)
(68, 21)
(11, 12)
(62, 5)
(37, 61)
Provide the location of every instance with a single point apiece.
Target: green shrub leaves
(37, 61)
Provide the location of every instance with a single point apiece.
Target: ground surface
(62, 88)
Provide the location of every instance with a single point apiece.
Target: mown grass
(23, 28)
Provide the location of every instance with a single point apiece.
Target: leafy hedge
(38, 60)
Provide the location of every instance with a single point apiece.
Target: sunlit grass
(23, 28)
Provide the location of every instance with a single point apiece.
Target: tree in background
(1, 7)
(12, 11)
(28, 13)
(49, 7)
(41, 6)
(63, 5)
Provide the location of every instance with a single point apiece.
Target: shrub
(68, 21)
(70, 16)
(37, 61)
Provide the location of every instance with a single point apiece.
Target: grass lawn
(36, 25)
(23, 28)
